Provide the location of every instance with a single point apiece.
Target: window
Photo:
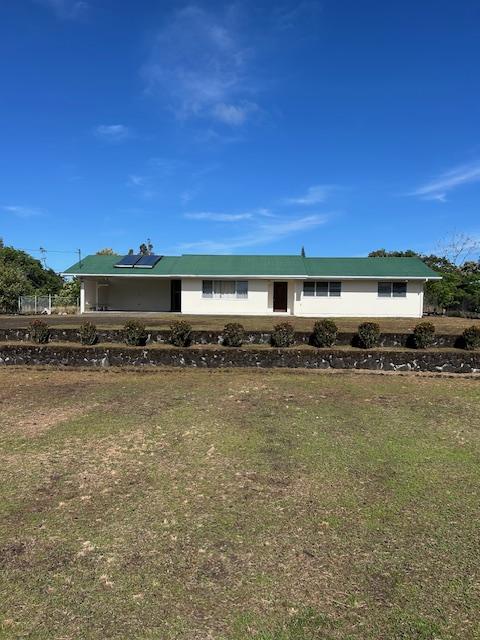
(207, 289)
(389, 289)
(225, 289)
(322, 288)
(309, 288)
(384, 289)
(399, 289)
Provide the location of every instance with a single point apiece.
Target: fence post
(50, 302)
(35, 304)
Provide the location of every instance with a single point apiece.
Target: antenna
(79, 251)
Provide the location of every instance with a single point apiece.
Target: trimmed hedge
(283, 335)
(39, 331)
(180, 334)
(233, 334)
(135, 333)
(368, 334)
(471, 338)
(423, 335)
(324, 333)
(88, 333)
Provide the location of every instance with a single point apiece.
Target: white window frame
(392, 284)
(316, 289)
(217, 289)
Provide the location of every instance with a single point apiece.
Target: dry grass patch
(273, 505)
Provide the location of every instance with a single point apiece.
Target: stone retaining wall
(378, 360)
(58, 334)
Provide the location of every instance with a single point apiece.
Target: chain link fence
(47, 304)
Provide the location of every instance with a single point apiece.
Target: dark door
(176, 295)
(280, 296)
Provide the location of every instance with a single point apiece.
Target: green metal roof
(254, 265)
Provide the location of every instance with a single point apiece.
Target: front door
(280, 290)
(176, 295)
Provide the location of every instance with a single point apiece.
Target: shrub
(233, 334)
(368, 334)
(423, 335)
(134, 333)
(283, 335)
(180, 334)
(88, 333)
(39, 331)
(471, 338)
(324, 333)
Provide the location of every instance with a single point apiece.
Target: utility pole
(79, 251)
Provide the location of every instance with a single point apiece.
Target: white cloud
(199, 66)
(21, 211)
(66, 9)
(136, 181)
(260, 234)
(113, 132)
(314, 195)
(437, 189)
(234, 115)
(218, 217)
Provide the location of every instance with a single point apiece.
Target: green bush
(88, 333)
(233, 334)
(423, 335)
(283, 335)
(324, 333)
(180, 334)
(39, 331)
(134, 333)
(471, 338)
(368, 334)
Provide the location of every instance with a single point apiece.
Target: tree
(39, 279)
(13, 283)
(302, 252)
(459, 247)
(146, 248)
(70, 293)
(1, 243)
(106, 252)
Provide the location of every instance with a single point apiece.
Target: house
(254, 285)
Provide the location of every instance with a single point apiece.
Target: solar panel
(128, 261)
(147, 262)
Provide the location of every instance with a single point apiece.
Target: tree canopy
(107, 252)
(21, 274)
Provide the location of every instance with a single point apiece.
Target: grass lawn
(253, 323)
(235, 505)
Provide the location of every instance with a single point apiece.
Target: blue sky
(247, 127)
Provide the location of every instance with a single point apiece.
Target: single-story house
(254, 285)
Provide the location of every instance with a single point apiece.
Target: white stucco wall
(360, 299)
(258, 301)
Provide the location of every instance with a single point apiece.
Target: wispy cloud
(21, 211)
(262, 233)
(136, 181)
(218, 217)
(113, 133)
(200, 65)
(438, 188)
(314, 195)
(286, 17)
(66, 9)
